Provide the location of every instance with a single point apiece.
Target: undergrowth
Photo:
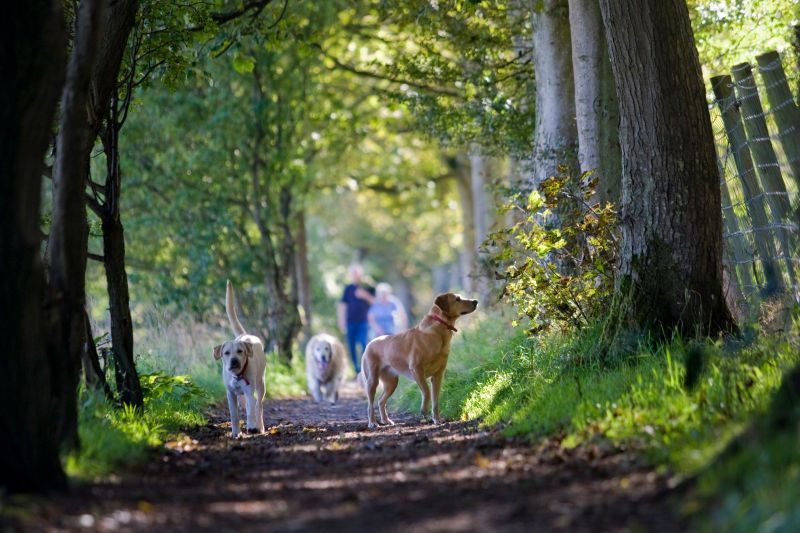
(118, 436)
(546, 386)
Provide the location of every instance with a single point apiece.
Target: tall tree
(303, 275)
(596, 110)
(670, 273)
(555, 136)
(129, 389)
(32, 53)
(69, 231)
(91, 78)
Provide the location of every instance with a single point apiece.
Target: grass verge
(546, 386)
(115, 437)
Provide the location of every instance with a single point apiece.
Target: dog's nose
(234, 363)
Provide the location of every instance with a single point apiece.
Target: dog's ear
(217, 351)
(248, 349)
(443, 302)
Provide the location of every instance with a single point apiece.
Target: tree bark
(120, 17)
(93, 374)
(555, 136)
(796, 45)
(32, 54)
(69, 232)
(469, 259)
(283, 319)
(596, 110)
(482, 169)
(129, 389)
(303, 276)
(118, 21)
(670, 270)
(127, 379)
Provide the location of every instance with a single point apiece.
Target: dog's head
(453, 305)
(323, 353)
(233, 354)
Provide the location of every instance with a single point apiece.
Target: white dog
(325, 366)
(243, 365)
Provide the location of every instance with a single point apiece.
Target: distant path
(319, 469)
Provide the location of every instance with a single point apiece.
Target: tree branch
(443, 91)
(95, 206)
(96, 257)
(257, 6)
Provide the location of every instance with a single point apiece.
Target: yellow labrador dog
(325, 367)
(243, 365)
(419, 353)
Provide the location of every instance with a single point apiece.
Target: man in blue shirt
(352, 313)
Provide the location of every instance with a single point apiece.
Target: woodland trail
(318, 468)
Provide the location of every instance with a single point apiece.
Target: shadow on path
(319, 469)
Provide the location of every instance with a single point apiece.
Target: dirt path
(320, 469)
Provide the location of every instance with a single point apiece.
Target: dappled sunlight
(483, 397)
(577, 249)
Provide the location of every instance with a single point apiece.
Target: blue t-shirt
(383, 313)
(356, 307)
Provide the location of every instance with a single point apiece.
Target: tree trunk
(404, 291)
(127, 379)
(796, 45)
(32, 53)
(555, 135)
(283, 318)
(129, 389)
(469, 260)
(117, 26)
(597, 113)
(93, 374)
(70, 231)
(303, 276)
(482, 169)
(670, 270)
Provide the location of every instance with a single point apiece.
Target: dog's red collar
(442, 321)
(240, 375)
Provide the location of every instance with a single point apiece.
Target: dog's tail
(363, 374)
(230, 308)
(362, 380)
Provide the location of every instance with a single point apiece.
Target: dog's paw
(235, 436)
(387, 422)
(370, 426)
(253, 431)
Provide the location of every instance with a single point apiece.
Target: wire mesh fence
(759, 157)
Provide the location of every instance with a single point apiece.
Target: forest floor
(319, 468)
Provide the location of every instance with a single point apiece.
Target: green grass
(549, 386)
(116, 437)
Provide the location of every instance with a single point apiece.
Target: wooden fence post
(765, 159)
(731, 118)
(797, 54)
(781, 103)
(737, 244)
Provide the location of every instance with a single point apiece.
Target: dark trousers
(357, 341)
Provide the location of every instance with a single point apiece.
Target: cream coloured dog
(325, 367)
(419, 353)
(243, 365)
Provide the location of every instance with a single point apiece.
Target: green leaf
(244, 64)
